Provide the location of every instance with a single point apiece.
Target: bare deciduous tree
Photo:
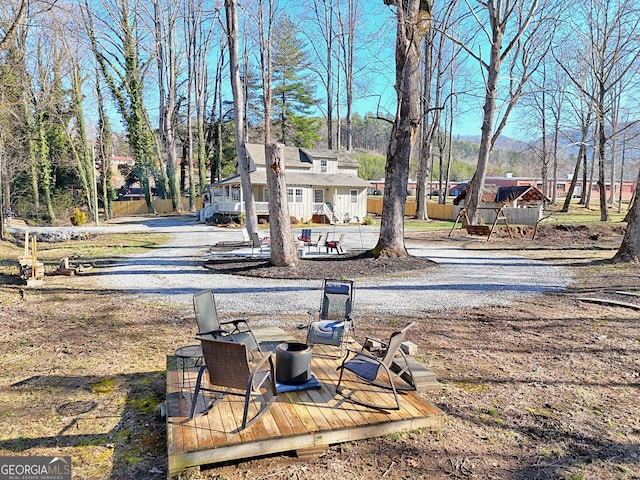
(199, 29)
(413, 18)
(165, 19)
(238, 110)
(122, 71)
(347, 42)
(518, 37)
(610, 32)
(283, 250)
(16, 12)
(629, 250)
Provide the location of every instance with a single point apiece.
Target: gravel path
(467, 278)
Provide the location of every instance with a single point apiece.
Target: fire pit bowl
(293, 363)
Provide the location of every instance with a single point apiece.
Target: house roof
(524, 192)
(299, 178)
(301, 157)
(506, 195)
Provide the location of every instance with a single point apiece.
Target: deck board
(295, 421)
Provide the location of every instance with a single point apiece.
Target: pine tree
(292, 90)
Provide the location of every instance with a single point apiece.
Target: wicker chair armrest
(267, 357)
(263, 358)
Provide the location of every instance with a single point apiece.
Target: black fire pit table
(293, 363)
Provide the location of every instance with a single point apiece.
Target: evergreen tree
(292, 90)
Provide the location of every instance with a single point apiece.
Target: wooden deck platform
(297, 421)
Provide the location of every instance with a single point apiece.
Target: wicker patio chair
(374, 370)
(231, 373)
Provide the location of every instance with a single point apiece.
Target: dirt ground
(543, 389)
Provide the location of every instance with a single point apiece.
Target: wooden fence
(435, 211)
(127, 208)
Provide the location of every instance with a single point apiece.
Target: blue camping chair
(332, 323)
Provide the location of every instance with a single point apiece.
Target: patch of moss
(145, 405)
(104, 386)
(471, 387)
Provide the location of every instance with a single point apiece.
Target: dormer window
(323, 165)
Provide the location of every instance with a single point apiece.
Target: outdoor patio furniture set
(234, 363)
(306, 238)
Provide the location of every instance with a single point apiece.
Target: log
(606, 301)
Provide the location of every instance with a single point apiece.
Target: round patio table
(188, 354)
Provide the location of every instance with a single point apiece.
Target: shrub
(78, 218)
(367, 220)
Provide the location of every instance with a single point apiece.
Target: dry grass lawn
(544, 389)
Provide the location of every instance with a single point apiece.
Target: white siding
(331, 164)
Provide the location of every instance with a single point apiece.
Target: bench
(483, 230)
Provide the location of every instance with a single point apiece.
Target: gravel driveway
(172, 273)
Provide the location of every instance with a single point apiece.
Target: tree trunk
(329, 59)
(104, 151)
(585, 178)
(413, 22)
(283, 249)
(46, 169)
(574, 181)
(474, 190)
(427, 131)
(4, 184)
(602, 139)
(31, 154)
(13, 23)
(349, 73)
(127, 89)
(629, 250)
(576, 171)
(622, 160)
(238, 110)
(544, 173)
(86, 165)
(167, 84)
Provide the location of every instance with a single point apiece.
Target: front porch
(320, 212)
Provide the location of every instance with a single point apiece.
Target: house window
(323, 165)
(354, 196)
(294, 195)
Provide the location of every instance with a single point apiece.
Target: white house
(322, 186)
